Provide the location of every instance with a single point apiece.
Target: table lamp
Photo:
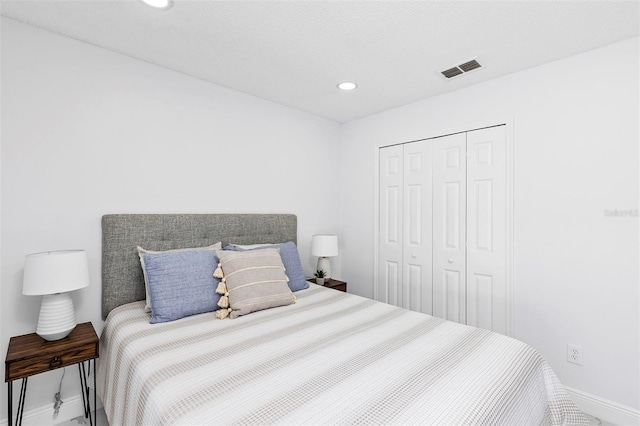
(324, 246)
(54, 274)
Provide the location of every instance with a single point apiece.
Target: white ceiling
(295, 52)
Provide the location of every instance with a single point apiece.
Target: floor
(101, 420)
(593, 421)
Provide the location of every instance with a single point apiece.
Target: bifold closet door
(449, 227)
(416, 246)
(443, 226)
(405, 250)
(486, 229)
(469, 228)
(390, 225)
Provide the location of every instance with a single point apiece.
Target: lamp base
(57, 318)
(324, 265)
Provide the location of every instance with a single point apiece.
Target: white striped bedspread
(330, 358)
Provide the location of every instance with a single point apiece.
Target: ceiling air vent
(452, 72)
(460, 69)
(469, 66)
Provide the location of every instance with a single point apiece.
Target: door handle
(450, 260)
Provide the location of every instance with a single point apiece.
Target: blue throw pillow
(181, 284)
(290, 260)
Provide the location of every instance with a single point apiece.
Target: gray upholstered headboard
(122, 279)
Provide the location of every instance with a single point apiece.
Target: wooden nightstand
(332, 283)
(30, 354)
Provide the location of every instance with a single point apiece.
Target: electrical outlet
(574, 354)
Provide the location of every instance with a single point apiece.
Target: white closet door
(417, 249)
(486, 229)
(389, 289)
(449, 227)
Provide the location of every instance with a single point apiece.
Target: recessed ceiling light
(347, 85)
(160, 4)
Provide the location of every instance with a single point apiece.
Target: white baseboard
(608, 411)
(43, 416)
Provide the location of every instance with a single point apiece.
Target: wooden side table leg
(83, 389)
(84, 385)
(23, 396)
(10, 399)
(95, 397)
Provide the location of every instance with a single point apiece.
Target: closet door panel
(449, 227)
(417, 251)
(389, 287)
(486, 230)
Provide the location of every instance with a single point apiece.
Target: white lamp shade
(55, 272)
(324, 245)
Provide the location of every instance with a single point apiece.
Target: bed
(328, 358)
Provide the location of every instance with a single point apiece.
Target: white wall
(576, 155)
(87, 132)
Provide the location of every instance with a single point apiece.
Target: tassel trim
(223, 313)
(224, 301)
(218, 272)
(222, 289)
